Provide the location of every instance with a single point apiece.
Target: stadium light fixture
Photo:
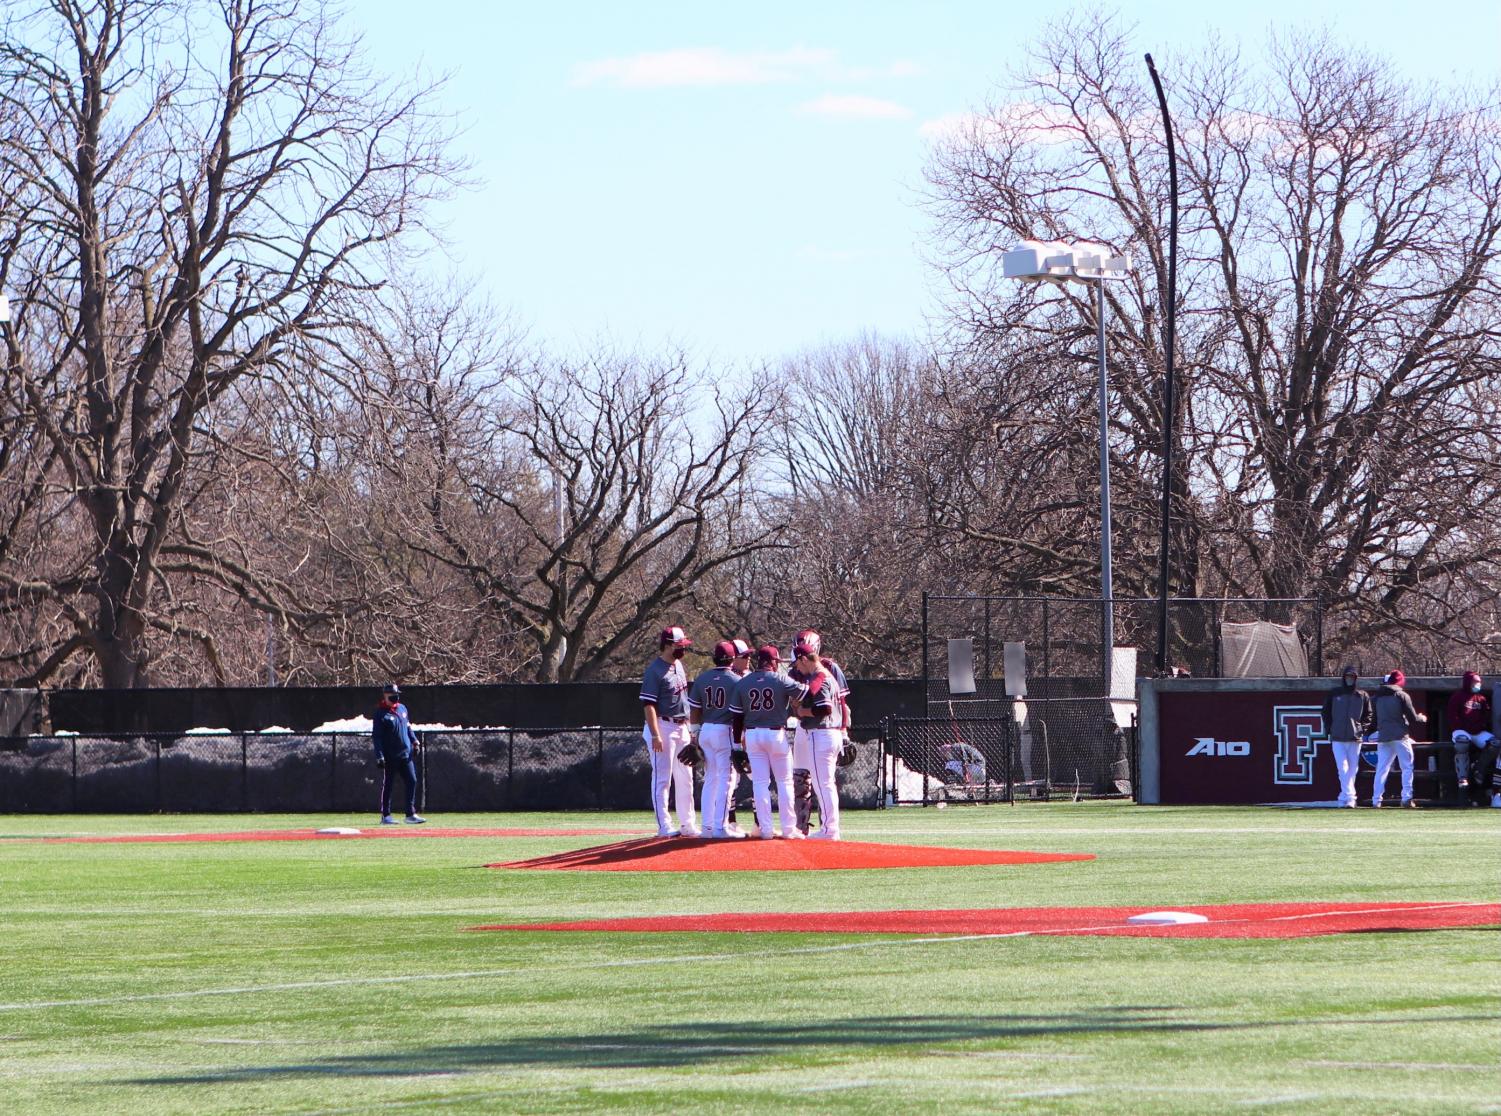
(1054, 261)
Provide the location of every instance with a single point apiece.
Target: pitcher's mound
(676, 854)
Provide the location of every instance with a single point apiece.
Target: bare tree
(1338, 303)
(585, 501)
(192, 193)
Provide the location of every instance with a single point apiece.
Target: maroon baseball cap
(741, 648)
(675, 637)
(724, 652)
(768, 656)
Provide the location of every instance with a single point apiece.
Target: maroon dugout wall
(1225, 741)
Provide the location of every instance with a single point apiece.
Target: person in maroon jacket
(1469, 720)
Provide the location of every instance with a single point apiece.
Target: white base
(339, 831)
(1167, 918)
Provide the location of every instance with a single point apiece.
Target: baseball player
(822, 713)
(395, 748)
(1347, 717)
(709, 708)
(802, 742)
(1469, 719)
(664, 705)
(1395, 717)
(760, 705)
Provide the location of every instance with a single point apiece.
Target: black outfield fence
(471, 770)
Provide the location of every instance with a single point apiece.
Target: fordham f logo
(1299, 730)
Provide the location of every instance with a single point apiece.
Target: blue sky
(742, 179)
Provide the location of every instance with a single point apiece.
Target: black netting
(472, 770)
(293, 774)
(36, 775)
(860, 782)
(1039, 748)
(116, 774)
(202, 774)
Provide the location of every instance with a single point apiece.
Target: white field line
(636, 962)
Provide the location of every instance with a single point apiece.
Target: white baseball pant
(667, 769)
(1388, 752)
(1464, 744)
(802, 750)
(717, 741)
(826, 745)
(771, 759)
(1346, 765)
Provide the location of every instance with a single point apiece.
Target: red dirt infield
(314, 835)
(1235, 920)
(676, 854)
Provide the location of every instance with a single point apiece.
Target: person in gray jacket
(1347, 718)
(1395, 717)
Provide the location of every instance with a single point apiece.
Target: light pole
(1093, 264)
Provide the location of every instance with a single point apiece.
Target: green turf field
(336, 976)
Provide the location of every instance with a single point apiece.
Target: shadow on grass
(681, 1045)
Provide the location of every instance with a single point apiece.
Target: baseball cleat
(387, 819)
(822, 835)
(415, 819)
(733, 830)
(668, 833)
(1496, 801)
(1409, 804)
(794, 835)
(690, 833)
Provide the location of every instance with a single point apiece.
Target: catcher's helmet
(724, 652)
(807, 642)
(691, 754)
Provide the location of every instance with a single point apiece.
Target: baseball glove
(740, 760)
(691, 754)
(847, 754)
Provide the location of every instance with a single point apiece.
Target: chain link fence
(468, 771)
(1064, 637)
(1031, 748)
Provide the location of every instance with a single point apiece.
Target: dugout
(1237, 741)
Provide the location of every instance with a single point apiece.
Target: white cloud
(1024, 121)
(705, 66)
(854, 108)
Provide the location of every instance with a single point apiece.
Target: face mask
(1350, 681)
(1475, 688)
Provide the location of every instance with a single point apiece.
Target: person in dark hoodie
(1469, 718)
(1347, 718)
(1395, 718)
(395, 748)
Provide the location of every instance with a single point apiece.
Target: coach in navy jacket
(395, 750)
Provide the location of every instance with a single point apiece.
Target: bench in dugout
(1434, 781)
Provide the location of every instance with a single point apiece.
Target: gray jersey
(710, 694)
(833, 690)
(765, 698)
(665, 685)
